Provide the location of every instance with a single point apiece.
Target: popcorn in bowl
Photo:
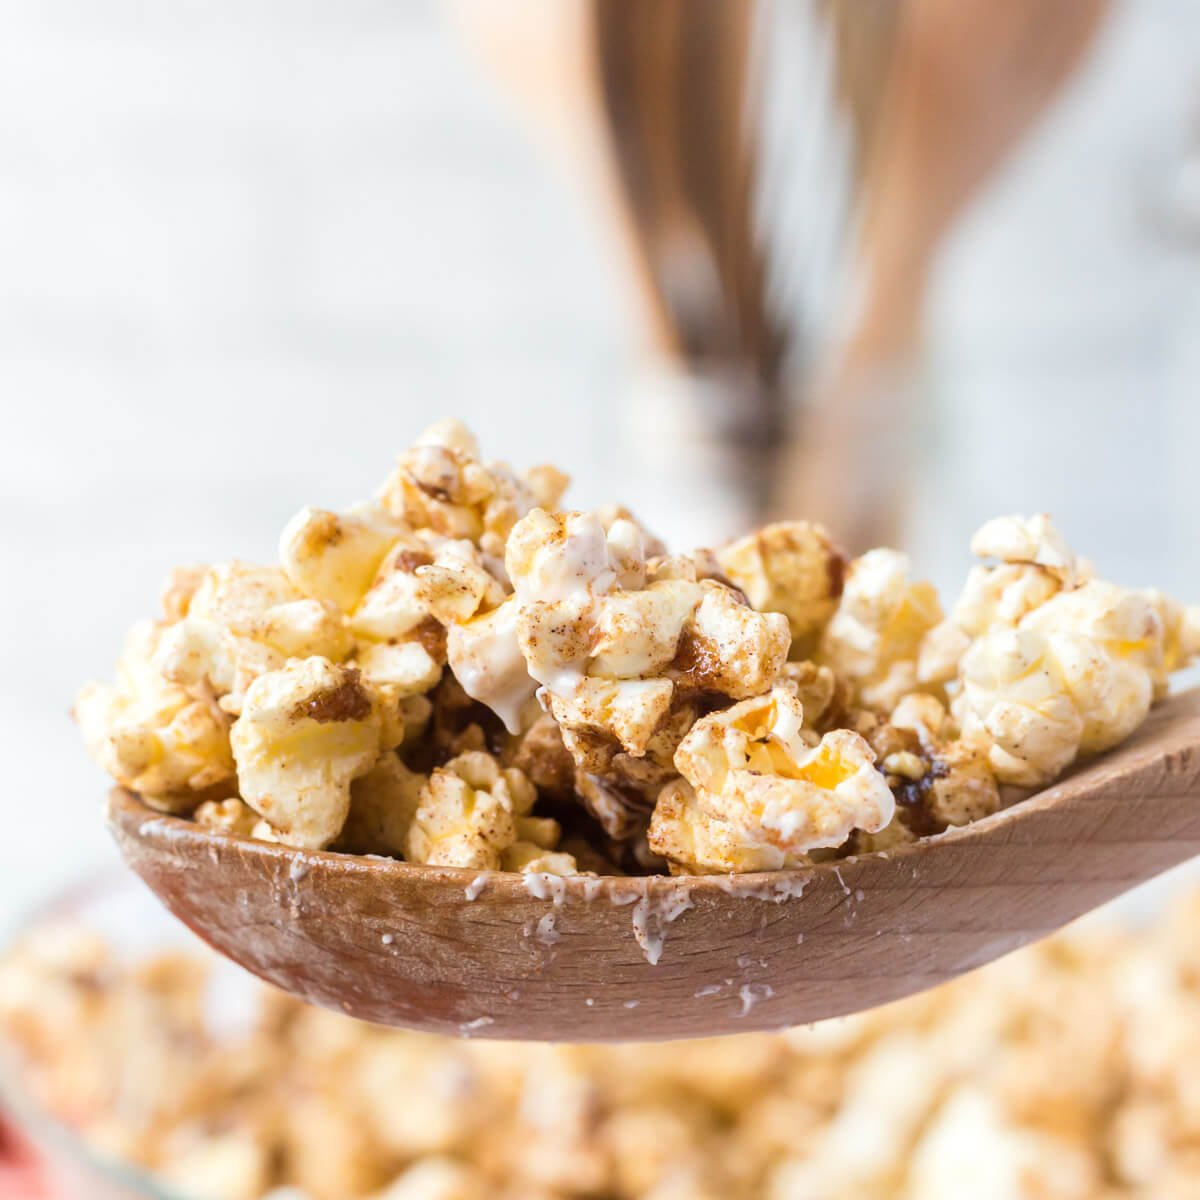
(1063, 1072)
(463, 672)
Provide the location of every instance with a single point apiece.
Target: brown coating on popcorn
(347, 701)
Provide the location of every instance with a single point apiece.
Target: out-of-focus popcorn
(470, 813)
(305, 733)
(1181, 637)
(1063, 1072)
(153, 736)
(791, 567)
(873, 641)
(780, 790)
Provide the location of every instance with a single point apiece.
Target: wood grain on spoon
(507, 956)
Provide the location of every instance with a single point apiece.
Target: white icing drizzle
(709, 989)
(473, 889)
(750, 994)
(545, 932)
(592, 888)
(652, 914)
(772, 891)
(544, 886)
(299, 869)
(388, 939)
(468, 1027)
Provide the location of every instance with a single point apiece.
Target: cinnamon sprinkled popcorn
(462, 672)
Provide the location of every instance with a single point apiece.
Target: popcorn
(468, 813)
(1181, 637)
(763, 781)
(305, 733)
(725, 710)
(481, 621)
(1064, 1071)
(611, 645)
(873, 640)
(334, 557)
(242, 621)
(153, 736)
(1035, 564)
(383, 803)
(1016, 699)
(530, 857)
(1077, 676)
(938, 778)
(440, 484)
(792, 567)
(1109, 642)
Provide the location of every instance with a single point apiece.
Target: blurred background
(902, 266)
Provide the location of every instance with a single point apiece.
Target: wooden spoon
(543, 958)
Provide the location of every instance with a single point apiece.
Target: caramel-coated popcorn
(729, 709)
(1062, 1072)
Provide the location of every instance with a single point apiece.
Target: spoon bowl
(588, 959)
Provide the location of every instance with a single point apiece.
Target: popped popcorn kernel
(785, 792)
(467, 814)
(873, 641)
(728, 648)
(152, 736)
(791, 567)
(530, 858)
(1181, 637)
(305, 733)
(383, 803)
(334, 556)
(440, 484)
(939, 778)
(244, 620)
(611, 646)
(1016, 700)
(1035, 564)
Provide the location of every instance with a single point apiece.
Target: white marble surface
(249, 249)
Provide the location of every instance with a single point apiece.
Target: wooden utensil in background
(655, 108)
